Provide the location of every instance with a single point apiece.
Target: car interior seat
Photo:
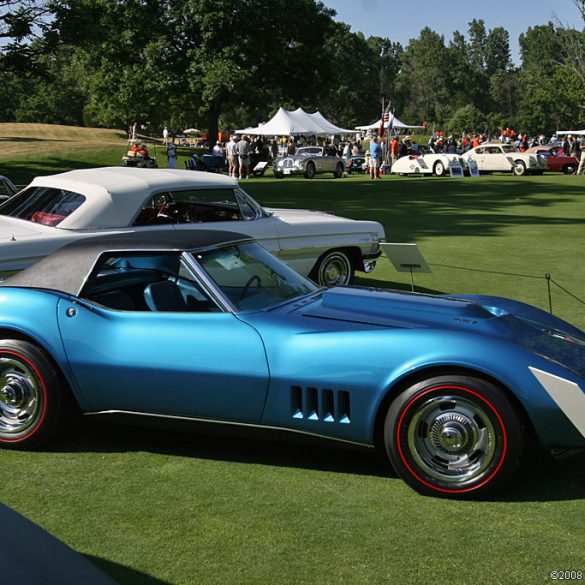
(115, 299)
(164, 295)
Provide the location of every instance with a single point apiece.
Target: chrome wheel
(20, 396)
(453, 435)
(452, 439)
(333, 269)
(439, 169)
(30, 395)
(310, 171)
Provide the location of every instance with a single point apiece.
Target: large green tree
(549, 88)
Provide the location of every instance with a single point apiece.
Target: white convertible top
(114, 195)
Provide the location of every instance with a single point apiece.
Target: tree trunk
(212, 122)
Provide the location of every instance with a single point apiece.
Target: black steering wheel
(253, 279)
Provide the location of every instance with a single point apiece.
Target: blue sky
(401, 21)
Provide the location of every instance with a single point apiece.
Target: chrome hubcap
(19, 396)
(452, 439)
(335, 271)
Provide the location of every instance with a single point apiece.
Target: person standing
(231, 154)
(375, 157)
(581, 169)
(165, 136)
(243, 148)
(172, 156)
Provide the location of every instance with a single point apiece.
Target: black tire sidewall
(507, 424)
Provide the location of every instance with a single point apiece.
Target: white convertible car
(55, 210)
(429, 164)
(505, 158)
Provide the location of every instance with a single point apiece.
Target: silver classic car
(308, 161)
(55, 210)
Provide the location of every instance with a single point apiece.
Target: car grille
(320, 405)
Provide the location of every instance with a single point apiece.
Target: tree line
(219, 64)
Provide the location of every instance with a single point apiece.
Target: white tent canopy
(572, 132)
(295, 123)
(396, 123)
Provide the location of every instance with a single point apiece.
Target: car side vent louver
(324, 405)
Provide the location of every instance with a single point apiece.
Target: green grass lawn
(152, 506)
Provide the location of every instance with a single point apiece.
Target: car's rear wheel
(338, 173)
(439, 169)
(30, 395)
(453, 436)
(310, 171)
(519, 168)
(334, 268)
(569, 169)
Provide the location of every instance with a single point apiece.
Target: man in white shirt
(231, 154)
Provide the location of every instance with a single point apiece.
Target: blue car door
(204, 365)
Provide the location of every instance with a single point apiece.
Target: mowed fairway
(153, 506)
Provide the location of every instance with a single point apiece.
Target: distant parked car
(428, 164)
(556, 159)
(309, 161)
(505, 158)
(55, 210)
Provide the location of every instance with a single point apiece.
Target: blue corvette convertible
(208, 325)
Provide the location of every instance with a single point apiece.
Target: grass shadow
(539, 479)
(220, 442)
(122, 574)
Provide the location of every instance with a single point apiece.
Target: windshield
(252, 278)
(44, 205)
(508, 148)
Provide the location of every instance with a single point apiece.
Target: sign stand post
(406, 258)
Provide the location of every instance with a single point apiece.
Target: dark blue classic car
(208, 325)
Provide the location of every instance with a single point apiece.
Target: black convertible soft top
(67, 269)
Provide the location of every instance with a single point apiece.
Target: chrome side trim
(224, 422)
(208, 284)
(568, 396)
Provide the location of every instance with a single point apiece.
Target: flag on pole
(384, 119)
(390, 124)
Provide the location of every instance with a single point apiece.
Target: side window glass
(147, 282)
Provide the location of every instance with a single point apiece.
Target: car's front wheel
(453, 436)
(439, 169)
(334, 268)
(279, 174)
(310, 171)
(338, 172)
(30, 395)
(569, 169)
(519, 168)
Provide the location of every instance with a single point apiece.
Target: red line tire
(30, 395)
(454, 436)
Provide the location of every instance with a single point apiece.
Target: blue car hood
(514, 322)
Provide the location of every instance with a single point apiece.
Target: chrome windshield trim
(208, 284)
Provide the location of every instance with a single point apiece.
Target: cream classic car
(429, 163)
(55, 210)
(505, 158)
(309, 161)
